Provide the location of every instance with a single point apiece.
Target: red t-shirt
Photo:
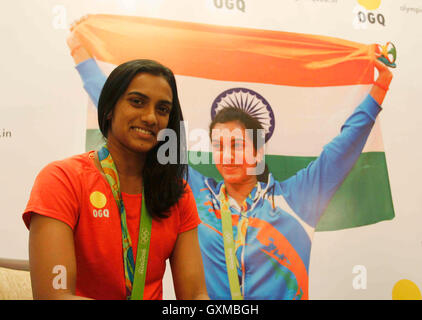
(74, 192)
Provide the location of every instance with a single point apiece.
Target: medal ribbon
(134, 274)
(229, 245)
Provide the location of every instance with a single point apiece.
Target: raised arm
(92, 77)
(310, 190)
(78, 52)
(380, 88)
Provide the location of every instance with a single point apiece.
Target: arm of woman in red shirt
(187, 268)
(52, 259)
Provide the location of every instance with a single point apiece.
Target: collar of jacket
(258, 193)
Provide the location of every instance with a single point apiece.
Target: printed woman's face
(141, 112)
(233, 152)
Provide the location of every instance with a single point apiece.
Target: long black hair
(163, 184)
(231, 113)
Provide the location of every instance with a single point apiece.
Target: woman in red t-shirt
(86, 213)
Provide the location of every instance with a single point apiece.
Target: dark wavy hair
(231, 113)
(165, 184)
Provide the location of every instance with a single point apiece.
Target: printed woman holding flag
(256, 232)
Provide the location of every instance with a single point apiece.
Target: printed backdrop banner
(303, 65)
(302, 87)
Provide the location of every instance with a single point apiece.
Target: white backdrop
(43, 118)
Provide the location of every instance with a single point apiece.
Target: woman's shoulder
(187, 199)
(185, 210)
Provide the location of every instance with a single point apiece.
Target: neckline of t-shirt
(94, 167)
(132, 195)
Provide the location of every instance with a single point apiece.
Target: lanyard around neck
(135, 272)
(229, 246)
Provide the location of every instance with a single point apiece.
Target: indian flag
(301, 87)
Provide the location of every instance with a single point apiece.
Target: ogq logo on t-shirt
(99, 200)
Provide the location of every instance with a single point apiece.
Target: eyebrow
(139, 94)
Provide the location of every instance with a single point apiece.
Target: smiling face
(140, 113)
(233, 151)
